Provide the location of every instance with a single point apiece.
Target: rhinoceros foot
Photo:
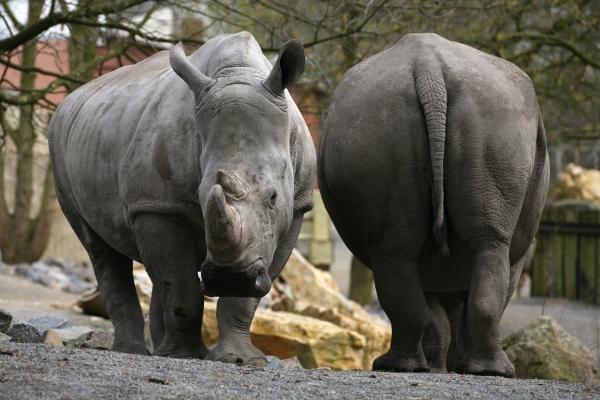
(177, 350)
(496, 364)
(237, 354)
(400, 362)
(131, 347)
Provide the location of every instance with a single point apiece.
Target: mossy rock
(543, 349)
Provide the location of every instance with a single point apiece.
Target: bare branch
(39, 71)
(43, 24)
(11, 15)
(553, 41)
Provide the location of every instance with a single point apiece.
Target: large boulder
(578, 183)
(543, 349)
(314, 293)
(316, 343)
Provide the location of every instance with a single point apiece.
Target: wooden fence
(315, 236)
(567, 257)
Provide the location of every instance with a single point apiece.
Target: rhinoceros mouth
(230, 281)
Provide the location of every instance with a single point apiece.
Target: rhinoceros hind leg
(454, 305)
(436, 338)
(169, 251)
(234, 315)
(485, 305)
(401, 296)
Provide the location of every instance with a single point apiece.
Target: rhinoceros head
(247, 186)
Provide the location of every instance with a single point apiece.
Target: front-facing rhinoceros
(186, 165)
(433, 147)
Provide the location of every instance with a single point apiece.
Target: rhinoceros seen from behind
(187, 164)
(434, 169)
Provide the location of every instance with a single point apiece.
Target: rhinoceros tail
(431, 90)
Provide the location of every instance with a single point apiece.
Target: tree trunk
(19, 229)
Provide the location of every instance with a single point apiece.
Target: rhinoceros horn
(195, 79)
(223, 226)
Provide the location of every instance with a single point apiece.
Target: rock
(376, 334)
(79, 336)
(72, 277)
(543, 349)
(314, 342)
(289, 363)
(33, 331)
(52, 337)
(47, 322)
(4, 337)
(99, 340)
(91, 304)
(71, 336)
(5, 320)
(314, 293)
(25, 333)
(578, 183)
(143, 286)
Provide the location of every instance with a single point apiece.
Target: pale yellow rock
(143, 285)
(311, 284)
(315, 294)
(53, 338)
(210, 328)
(316, 343)
(578, 183)
(377, 335)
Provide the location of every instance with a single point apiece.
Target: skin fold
(187, 165)
(434, 169)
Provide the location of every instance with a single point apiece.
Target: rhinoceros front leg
(234, 315)
(485, 305)
(115, 280)
(169, 251)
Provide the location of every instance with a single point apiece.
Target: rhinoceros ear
(195, 79)
(288, 67)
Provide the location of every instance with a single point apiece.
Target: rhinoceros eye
(272, 197)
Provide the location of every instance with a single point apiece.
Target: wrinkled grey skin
(434, 169)
(187, 164)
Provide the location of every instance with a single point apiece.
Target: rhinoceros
(187, 164)
(434, 169)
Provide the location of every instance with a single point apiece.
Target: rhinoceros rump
(186, 165)
(434, 169)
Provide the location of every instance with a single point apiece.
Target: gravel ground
(29, 371)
